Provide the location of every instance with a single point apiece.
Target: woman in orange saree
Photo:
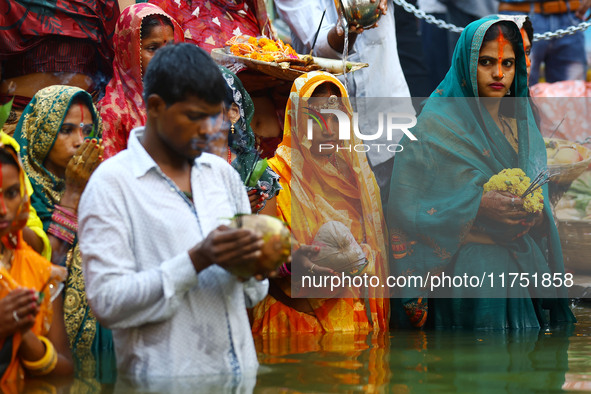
(318, 188)
(32, 332)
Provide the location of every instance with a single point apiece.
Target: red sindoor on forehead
(81, 120)
(502, 41)
(523, 35)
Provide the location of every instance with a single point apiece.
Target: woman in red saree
(122, 108)
(210, 24)
(54, 42)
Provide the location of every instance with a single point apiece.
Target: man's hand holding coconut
(229, 248)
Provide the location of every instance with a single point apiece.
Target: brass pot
(359, 12)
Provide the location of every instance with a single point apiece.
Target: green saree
(36, 134)
(436, 189)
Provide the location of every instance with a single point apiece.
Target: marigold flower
(514, 180)
(270, 47)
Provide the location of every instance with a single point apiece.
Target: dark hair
(228, 97)
(151, 21)
(179, 70)
(7, 157)
(511, 34)
(528, 27)
(326, 87)
(79, 99)
(83, 98)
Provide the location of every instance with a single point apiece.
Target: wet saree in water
(436, 190)
(315, 192)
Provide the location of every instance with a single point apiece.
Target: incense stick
(556, 129)
(317, 31)
(541, 179)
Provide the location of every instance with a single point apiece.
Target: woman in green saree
(59, 136)
(440, 221)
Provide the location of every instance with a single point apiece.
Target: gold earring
(232, 128)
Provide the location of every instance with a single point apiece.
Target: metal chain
(428, 18)
(455, 29)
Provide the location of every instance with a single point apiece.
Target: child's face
(187, 127)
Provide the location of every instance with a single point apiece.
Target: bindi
(81, 120)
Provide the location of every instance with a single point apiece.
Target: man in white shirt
(154, 253)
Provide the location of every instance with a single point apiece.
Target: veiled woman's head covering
(242, 141)
(36, 134)
(122, 108)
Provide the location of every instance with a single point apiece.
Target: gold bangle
(47, 363)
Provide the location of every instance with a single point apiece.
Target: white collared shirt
(135, 230)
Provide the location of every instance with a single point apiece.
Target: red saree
(209, 24)
(122, 108)
(28, 23)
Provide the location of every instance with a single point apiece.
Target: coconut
(338, 249)
(276, 244)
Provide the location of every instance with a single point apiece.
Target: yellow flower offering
(261, 48)
(514, 180)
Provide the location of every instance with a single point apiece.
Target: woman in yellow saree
(319, 187)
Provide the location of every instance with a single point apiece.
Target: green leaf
(257, 172)
(5, 112)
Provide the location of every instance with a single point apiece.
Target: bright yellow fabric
(315, 192)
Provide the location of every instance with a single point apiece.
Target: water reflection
(324, 362)
(403, 361)
(409, 361)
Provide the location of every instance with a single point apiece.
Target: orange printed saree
(32, 271)
(315, 192)
(26, 269)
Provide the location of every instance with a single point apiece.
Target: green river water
(403, 361)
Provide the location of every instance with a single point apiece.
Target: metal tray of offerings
(570, 169)
(564, 170)
(285, 69)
